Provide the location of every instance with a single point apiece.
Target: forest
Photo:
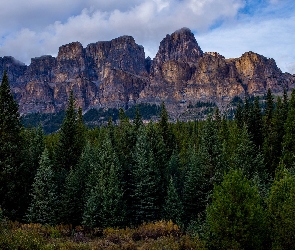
(208, 184)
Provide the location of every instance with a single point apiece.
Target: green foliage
(146, 181)
(105, 206)
(236, 217)
(50, 123)
(11, 165)
(288, 139)
(173, 208)
(281, 207)
(44, 205)
(147, 111)
(70, 144)
(195, 188)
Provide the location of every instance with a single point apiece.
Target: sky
(33, 28)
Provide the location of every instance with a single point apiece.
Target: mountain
(112, 74)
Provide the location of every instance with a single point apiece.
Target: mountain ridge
(116, 73)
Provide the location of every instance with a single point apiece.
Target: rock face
(116, 74)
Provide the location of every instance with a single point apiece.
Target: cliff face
(116, 74)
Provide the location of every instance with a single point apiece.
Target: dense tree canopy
(217, 178)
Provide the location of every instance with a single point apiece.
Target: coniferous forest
(210, 184)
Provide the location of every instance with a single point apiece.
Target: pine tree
(255, 124)
(239, 116)
(70, 144)
(78, 185)
(173, 208)
(247, 158)
(210, 152)
(288, 139)
(68, 149)
(11, 165)
(166, 132)
(34, 141)
(281, 207)
(236, 217)
(159, 153)
(124, 142)
(146, 181)
(105, 205)
(269, 133)
(195, 193)
(44, 205)
(137, 120)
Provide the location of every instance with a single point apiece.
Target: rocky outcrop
(116, 74)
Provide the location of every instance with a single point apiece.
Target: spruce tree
(247, 158)
(165, 130)
(146, 181)
(269, 133)
(34, 141)
(239, 116)
(236, 217)
(124, 142)
(195, 193)
(288, 156)
(105, 205)
(255, 124)
(210, 151)
(78, 185)
(68, 149)
(11, 165)
(44, 205)
(173, 208)
(281, 207)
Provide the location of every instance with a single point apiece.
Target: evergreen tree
(255, 124)
(34, 141)
(173, 208)
(11, 166)
(269, 132)
(275, 151)
(105, 205)
(269, 107)
(44, 205)
(281, 207)
(239, 116)
(211, 155)
(247, 158)
(159, 154)
(166, 132)
(77, 186)
(125, 140)
(236, 217)
(195, 192)
(68, 149)
(288, 139)
(146, 181)
(137, 120)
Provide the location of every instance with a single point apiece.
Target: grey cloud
(147, 20)
(273, 38)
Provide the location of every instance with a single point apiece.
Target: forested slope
(228, 183)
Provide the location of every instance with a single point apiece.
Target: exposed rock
(116, 74)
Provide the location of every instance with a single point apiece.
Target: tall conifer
(10, 153)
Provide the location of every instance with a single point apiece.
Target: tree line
(230, 183)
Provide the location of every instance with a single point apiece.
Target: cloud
(53, 23)
(230, 27)
(266, 34)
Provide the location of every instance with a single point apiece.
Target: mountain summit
(116, 74)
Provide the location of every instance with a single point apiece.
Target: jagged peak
(180, 45)
(183, 30)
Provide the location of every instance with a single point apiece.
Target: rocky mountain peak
(113, 74)
(180, 46)
(70, 51)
